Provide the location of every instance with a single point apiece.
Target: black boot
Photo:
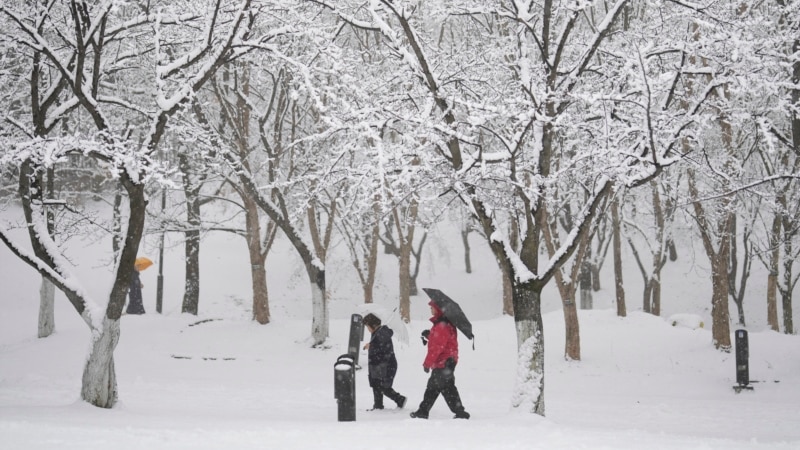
(419, 414)
(395, 397)
(377, 395)
(461, 415)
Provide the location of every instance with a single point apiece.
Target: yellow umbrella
(142, 263)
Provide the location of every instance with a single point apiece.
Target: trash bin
(344, 387)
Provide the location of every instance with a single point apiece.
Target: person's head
(372, 322)
(435, 311)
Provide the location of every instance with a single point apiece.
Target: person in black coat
(382, 363)
(135, 304)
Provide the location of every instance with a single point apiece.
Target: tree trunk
(191, 293)
(572, 349)
(786, 302)
(47, 292)
(321, 320)
(568, 285)
(720, 260)
(405, 279)
(47, 322)
(572, 341)
(413, 290)
(619, 286)
(673, 250)
(507, 275)
(647, 302)
(508, 294)
(786, 291)
(368, 291)
(465, 241)
(117, 237)
(372, 260)
(655, 293)
(585, 283)
(594, 271)
(258, 276)
(772, 278)
(737, 293)
(99, 384)
(406, 242)
(160, 276)
(412, 286)
(720, 316)
(658, 255)
(772, 301)
(740, 312)
(529, 388)
(258, 271)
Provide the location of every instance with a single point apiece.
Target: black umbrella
(451, 311)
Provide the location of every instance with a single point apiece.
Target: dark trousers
(442, 381)
(135, 305)
(379, 392)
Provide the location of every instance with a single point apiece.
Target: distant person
(382, 363)
(135, 304)
(441, 360)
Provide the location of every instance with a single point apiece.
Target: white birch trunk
(529, 391)
(99, 385)
(47, 315)
(320, 322)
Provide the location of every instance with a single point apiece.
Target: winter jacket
(442, 342)
(381, 360)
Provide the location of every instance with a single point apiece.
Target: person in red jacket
(441, 362)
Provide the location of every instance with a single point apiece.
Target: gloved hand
(424, 336)
(426, 369)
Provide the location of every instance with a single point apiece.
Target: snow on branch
(602, 31)
(120, 155)
(37, 42)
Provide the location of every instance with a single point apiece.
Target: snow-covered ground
(231, 383)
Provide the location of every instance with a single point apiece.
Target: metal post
(160, 279)
(742, 367)
(356, 336)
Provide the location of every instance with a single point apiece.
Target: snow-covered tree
(504, 104)
(116, 65)
(287, 166)
(649, 213)
(775, 106)
(747, 117)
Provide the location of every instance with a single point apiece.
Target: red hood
(437, 312)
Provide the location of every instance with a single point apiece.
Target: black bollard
(356, 336)
(742, 367)
(344, 387)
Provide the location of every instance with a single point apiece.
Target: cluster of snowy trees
(557, 129)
